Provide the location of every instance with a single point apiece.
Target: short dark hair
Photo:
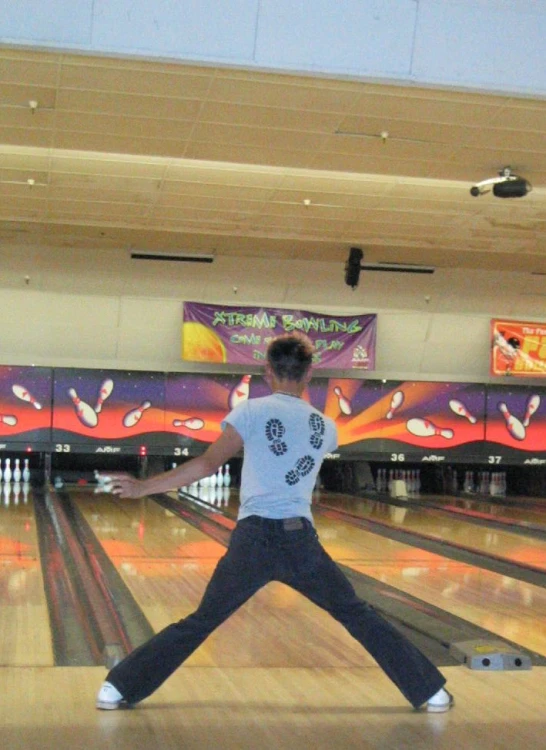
(290, 356)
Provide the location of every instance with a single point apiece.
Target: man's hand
(123, 485)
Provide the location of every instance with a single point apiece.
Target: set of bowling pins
(485, 483)
(222, 478)
(214, 495)
(17, 475)
(412, 478)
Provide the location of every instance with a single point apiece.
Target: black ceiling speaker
(511, 188)
(352, 267)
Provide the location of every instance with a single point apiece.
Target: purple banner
(240, 335)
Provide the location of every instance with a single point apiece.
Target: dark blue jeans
(263, 550)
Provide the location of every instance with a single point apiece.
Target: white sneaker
(440, 702)
(109, 698)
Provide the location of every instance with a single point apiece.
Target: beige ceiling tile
(19, 95)
(438, 109)
(389, 149)
(397, 129)
(506, 140)
(282, 94)
(17, 182)
(177, 82)
(492, 160)
(99, 182)
(33, 72)
(339, 199)
(173, 192)
(98, 208)
(127, 105)
(179, 202)
(268, 117)
(26, 137)
(102, 192)
(251, 136)
(138, 127)
(17, 117)
(196, 214)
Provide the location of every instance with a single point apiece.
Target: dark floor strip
(73, 642)
(93, 622)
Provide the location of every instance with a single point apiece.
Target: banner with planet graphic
(240, 335)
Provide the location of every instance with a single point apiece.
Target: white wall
(102, 309)
(493, 45)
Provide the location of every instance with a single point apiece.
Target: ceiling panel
(126, 152)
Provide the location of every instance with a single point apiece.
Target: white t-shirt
(285, 440)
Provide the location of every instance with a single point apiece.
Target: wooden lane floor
(244, 706)
(24, 621)
(271, 709)
(507, 607)
(166, 563)
(493, 541)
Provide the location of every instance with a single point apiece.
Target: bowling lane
(493, 541)
(519, 510)
(166, 564)
(511, 609)
(24, 621)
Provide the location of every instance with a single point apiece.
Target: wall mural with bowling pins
(179, 414)
(110, 411)
(25, 407)
(415, 420)
(516, 424)
(196, 404)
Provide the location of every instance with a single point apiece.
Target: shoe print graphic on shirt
(274, 432)
(303, 466)
(318, 428)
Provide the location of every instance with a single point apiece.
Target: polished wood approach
(279, 673)
(271, 709)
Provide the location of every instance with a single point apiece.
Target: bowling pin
(133, 417)
(212, 480)
(193, 423)
(513, 425)
(26, 471)
(396, 401)
(425, 428)
(240, 392)
(219, 478)
(17, 471)
(85, 413)
(24, 395)
(104, 392)
(459, 408)
(7, 471)
(8, 419)
(227, 476)
(533, 402)
(343, 402)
